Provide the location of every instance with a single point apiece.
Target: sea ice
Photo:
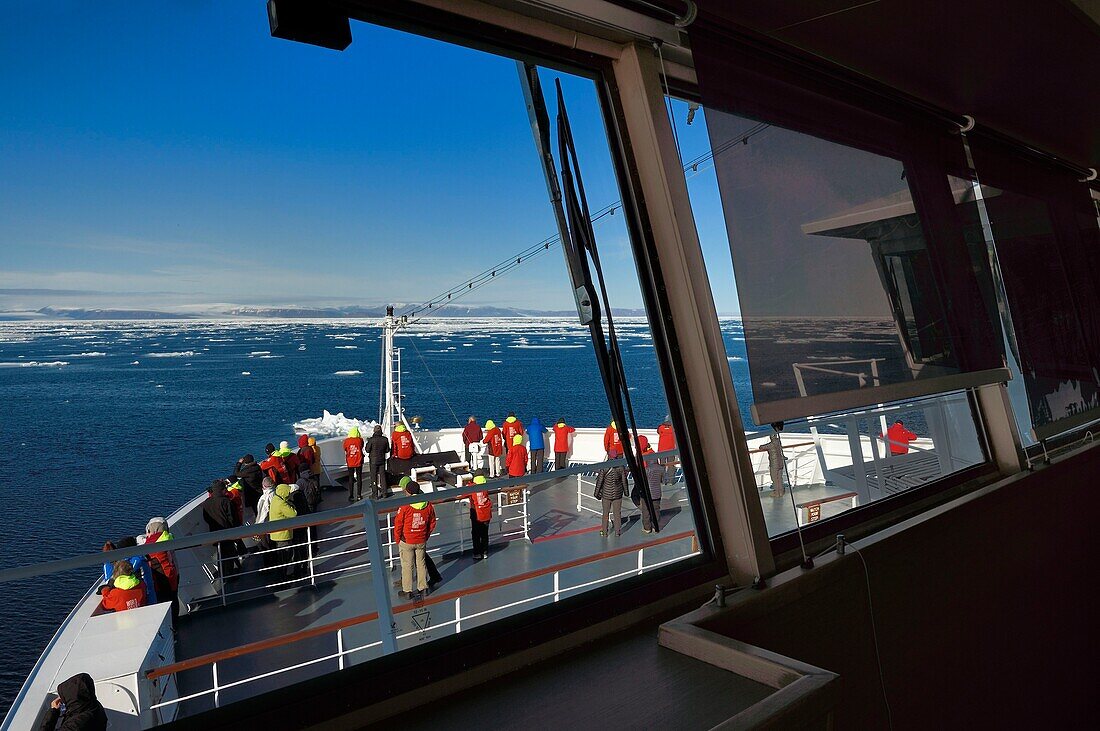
(331, 425)
(35, 363)
(348, 373)
(174, 354)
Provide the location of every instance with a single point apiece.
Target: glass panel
(834, 280)
(201, 266)
(842, 461)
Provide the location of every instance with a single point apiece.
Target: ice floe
(173, 354)
(332, 425)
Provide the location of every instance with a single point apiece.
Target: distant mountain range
(233, 312)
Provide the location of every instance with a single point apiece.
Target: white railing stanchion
(526, 520)
(309, 555)
(389, 541)
(557, 586)
(217, 690)
(580, 486)
(641, 563)
(340, 647)
(380, 579)
(221, 573)
(458, 614)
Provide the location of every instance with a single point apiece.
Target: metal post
(579, 486)
(309, 555)
(214, 672)
(380, 578)
(557, 586)
(458, 614)
(221, 573)
(526, 522)
(389, 540)
(340, 647)
(641, 561)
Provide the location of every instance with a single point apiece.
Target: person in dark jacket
(471, 434)
(252, 478)
(610, 488)
(217, 511)
(655, 476)
(377, 449)
(82, 711)
(536, 444)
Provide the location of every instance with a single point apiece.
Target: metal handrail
(359, 510)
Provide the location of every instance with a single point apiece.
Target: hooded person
(316, 466)
(353, 458)
(217, 512)
(282, 509)
(611, 444)
(610, 488)
(516, 461)
(83, 711)
(165, 574)
(290, 459)
(263, 515)
(377, 449)
(494, 441)
(655, 475)
(251, 477)
(274, 466)
(234, 491)
(562, 444)
(481, 514)
(536, 444)
(306, 456)
(142, 569)
(402, 444)
(512, 427)
(125, 589)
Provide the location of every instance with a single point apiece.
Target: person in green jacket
(281, 509)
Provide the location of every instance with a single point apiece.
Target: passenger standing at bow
(610, 488)
(481, 514)
(252, 477)
(516, 461)
(776, 463)
(561, 444)
(512, 427)
(612, 446)
(353, 458)
(377, 449)
(471, 434)
(666, 440)
(412, 526)
(494, 440)
(898, 437)
(402, 448)
(274, 466)
(536, 443)
(124, 591)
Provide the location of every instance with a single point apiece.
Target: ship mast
(393, 411)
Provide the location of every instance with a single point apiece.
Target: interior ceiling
(1029, 69)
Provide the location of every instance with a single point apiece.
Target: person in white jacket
(263, 510)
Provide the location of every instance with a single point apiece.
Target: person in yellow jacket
(281, 509)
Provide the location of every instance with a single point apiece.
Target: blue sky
(176, 150)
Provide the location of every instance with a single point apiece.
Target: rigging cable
(432, 376)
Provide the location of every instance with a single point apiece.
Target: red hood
(303, 440)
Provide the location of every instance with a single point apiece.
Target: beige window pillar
(730, 478)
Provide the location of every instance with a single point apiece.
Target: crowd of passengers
(287, 484)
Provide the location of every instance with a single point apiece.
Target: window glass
(204, 228)
(804, 188)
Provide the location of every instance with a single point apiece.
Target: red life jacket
(119, 600)
(353, 451)
(495, 441)
(402, 445)
(666, 437)
(414, 524)
(162, 561)
(482, 505)
(517, 461)
(899, 438)
(561, 437)
(611, 443)
(511, 429)
(275, 468)
(293, 466)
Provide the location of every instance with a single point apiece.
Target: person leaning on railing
(411, 527)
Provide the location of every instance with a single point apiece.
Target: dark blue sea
(105, 424)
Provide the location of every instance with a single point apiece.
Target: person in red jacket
(481, 514)
(274, 466)
(353, 457)
(166, 577)
(125, 591)
(666, 440)
(512, 427)
(411, 527)
(516, 461)
(611, 444)
(402, 444)
(561, 444)
(494, 440)
(471, 434)
(898, 437)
